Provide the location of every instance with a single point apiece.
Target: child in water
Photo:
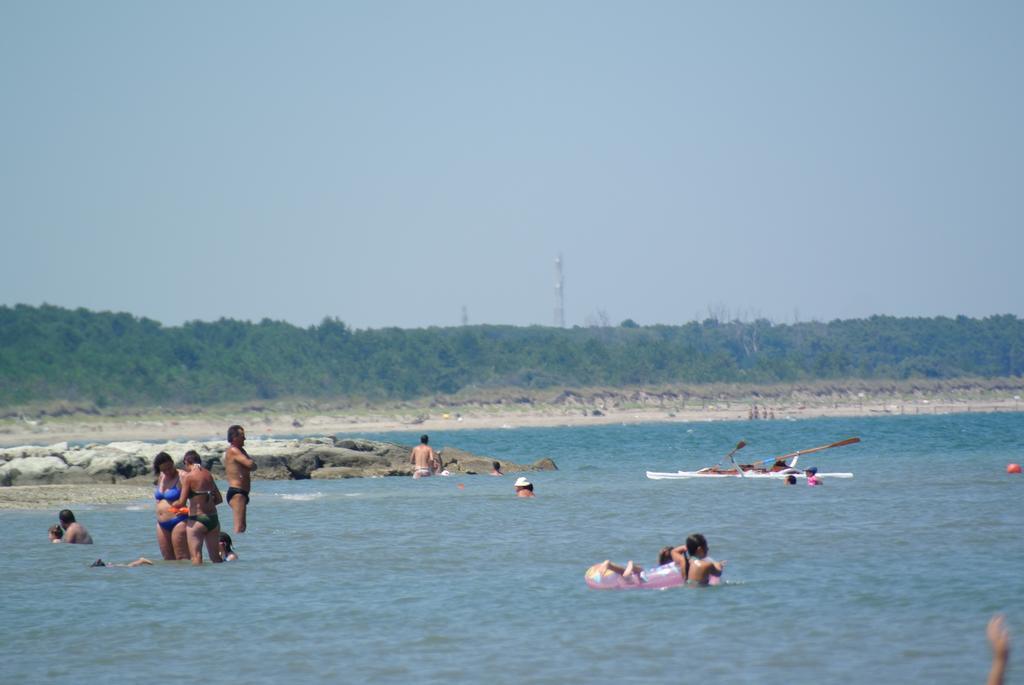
(226, 553)
(631, 572)
(694, 564)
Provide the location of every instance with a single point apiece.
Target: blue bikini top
(170, 495)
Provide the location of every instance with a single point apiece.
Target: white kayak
(779, 475)
(759, 469)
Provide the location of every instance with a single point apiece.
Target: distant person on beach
(74, 532)
(171, 529)
(141, 561)
(238, 468)
(203, 496)
(694, 564)
(226, 552)
(55, 533)
(524, 488)
(496, 469)
(999, 639)
(424, 459)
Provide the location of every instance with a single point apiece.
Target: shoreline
(269, 424)
(263, 424)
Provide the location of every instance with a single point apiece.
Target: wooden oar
(739, 445)
(800, 453)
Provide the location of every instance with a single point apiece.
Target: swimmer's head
(56, 532)
(695, 543)
(791, 479)
(496, 465)
(665, 556)
(225, 541)
(65, 517)
(159, 460)
(813, 471)
(424, 439)
(98, 562)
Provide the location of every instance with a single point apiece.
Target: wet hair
(424, 439)
(233, 432)
(529, 486)
(65, 516)
(56, 531)
(159, 461)
(791, 479)
(496, 465)
(226, 539)
(98, 562)
(695, 542)
(192, 457)
(665, 556)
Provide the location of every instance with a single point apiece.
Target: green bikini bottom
(210, 521)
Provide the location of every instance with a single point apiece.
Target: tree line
(115, 359)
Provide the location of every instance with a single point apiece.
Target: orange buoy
(1013, 468)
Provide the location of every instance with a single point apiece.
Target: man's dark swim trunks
(236, 491)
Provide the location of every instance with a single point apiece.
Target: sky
(410, 163)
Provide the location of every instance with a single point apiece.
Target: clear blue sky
(388, 163)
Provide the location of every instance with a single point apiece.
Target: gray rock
(313, 457)
(34, 470)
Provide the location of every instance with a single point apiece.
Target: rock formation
(314, 457)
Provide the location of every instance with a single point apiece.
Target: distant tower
(465, 316)
(559, 294)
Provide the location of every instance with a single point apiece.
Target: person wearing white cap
(524, 488)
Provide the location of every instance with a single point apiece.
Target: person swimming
(226, 552)
(524, 488)
(141, 561)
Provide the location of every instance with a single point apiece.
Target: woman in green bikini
(203, 496)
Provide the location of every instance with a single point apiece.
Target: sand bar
(57, 497)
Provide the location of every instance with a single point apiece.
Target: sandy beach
(599, 407)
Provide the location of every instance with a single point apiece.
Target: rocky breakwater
(314, 457)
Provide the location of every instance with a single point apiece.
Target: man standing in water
(424, 459)
(237, 467)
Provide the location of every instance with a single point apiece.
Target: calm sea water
(889, 577)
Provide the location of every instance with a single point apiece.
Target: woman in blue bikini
(170, 522)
